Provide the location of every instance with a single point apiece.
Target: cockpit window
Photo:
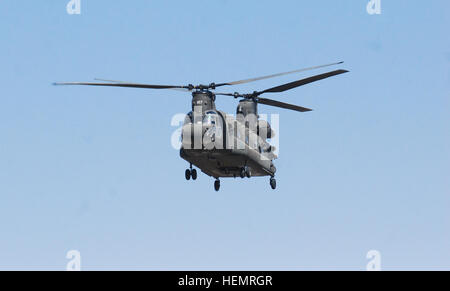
(189, 118)
(210, 118)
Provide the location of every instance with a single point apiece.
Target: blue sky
(92, 169)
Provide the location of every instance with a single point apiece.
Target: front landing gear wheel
(217, 185)
(248, 173)
(273, 183)
(187, 174)
(194, 174)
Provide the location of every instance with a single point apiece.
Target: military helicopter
(221, 145)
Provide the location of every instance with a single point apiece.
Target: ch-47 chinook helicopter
(221, 145)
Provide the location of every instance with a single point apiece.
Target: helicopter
(227, 146)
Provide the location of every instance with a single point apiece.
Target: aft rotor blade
(227, 94)
(109, 81)
(275, 75)
(279, 104)
(302, 82)
(125, 85)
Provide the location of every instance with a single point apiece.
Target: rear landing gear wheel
(273, 183)
(194, 174)
(217, 185)
(187, 174)
(242, 173)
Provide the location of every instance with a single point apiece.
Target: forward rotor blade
(275, 75)
(302, 82)
(279, 104)
(120, 84)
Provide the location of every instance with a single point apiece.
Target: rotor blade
(126, 85)
(302, 82)
(274, 103)
(110, 81)
(224, 94)
(275, 75)
(122, 82)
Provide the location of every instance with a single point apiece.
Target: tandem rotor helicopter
(221, 145)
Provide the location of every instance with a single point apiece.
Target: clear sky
(92, 169)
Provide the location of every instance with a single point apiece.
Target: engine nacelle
(265, 130)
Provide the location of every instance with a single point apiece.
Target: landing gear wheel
(194, 174)
(273, 183)
(217, 185)
(242, 173)
(248, 173)
(187, 174)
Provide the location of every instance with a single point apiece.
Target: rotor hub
(204, 99)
